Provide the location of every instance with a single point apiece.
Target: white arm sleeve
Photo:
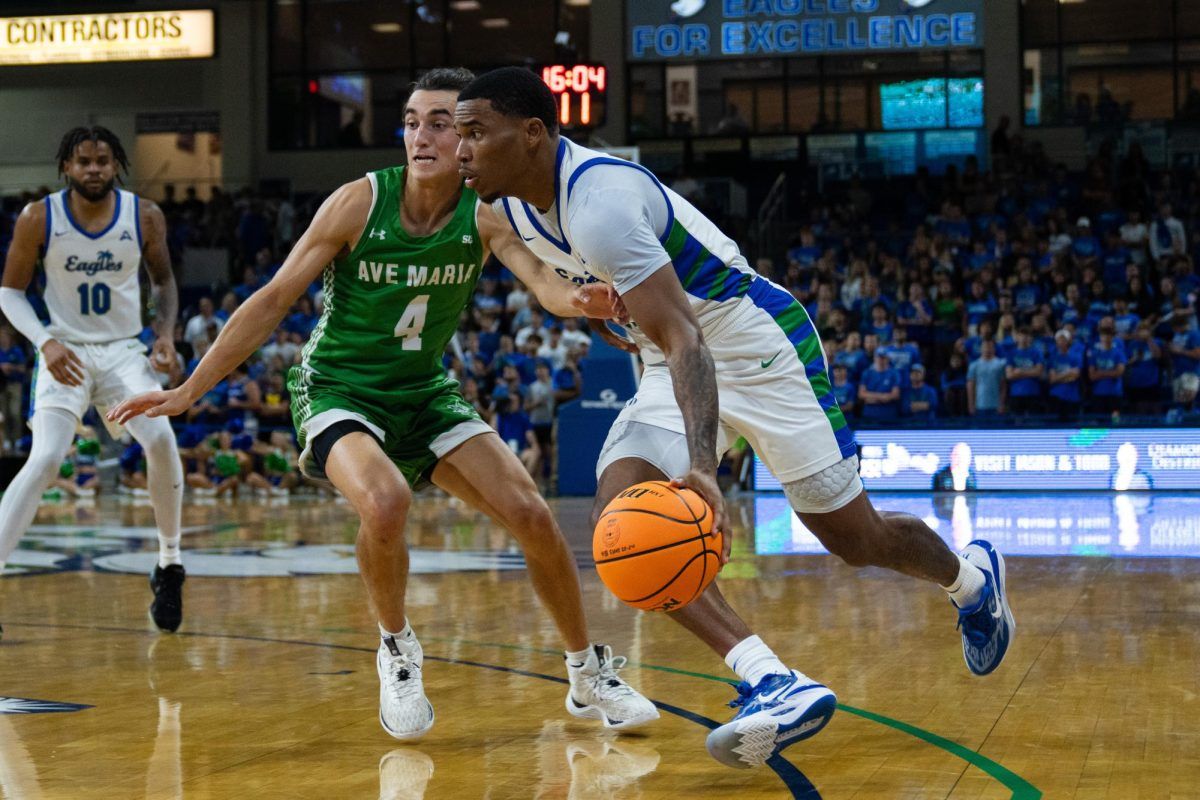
(20, 313)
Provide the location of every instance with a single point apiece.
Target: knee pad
(826, 491)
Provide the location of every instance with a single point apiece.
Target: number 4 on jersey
(412, 321)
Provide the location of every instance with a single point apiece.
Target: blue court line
(795, 780)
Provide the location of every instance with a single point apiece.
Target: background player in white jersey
(91, 238)
(727, 352)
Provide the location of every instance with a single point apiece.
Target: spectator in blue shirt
(879, 390)
(920, 399)
(1106, 366)
(879, 324)
(1113, 262)
(844, 390)
(985, 383)
(954, 386)
(1185, 360)
(516, 431)
(1065, 369)
(1024, 373)
(980, 305)
(14, 364)
(852, 356)
(901, 353)
(916, 314)
(1085, 246)
(1126, 321)
(248, 286)
(1143, 371)
(973, 345)
(1027, 294)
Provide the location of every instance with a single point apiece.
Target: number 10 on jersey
(94, 298)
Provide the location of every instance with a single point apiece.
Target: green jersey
(393, 303)
(391, 306)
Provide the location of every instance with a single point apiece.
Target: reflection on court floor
(1136, 524)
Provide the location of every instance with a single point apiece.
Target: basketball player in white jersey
(710, 330)
(92, 237)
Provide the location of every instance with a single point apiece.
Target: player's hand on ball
(162, 355)
(152, 404)
(705, 485)
(62, 362)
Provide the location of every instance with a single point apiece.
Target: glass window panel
(727, 96)
(1039, 22)
(1116, 20)
(574, 31)
(804, 107)
(768, 108)
(1042, 86)
(286, 44)
(1113, 82)
(287, 120)
(1188, 21)
(356, 35)
(502, 32)
(846, 102)
(1189, 81)
(428, 21)
(647, 102)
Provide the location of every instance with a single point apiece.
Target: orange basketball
(655, 547)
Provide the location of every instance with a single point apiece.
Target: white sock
(164, 480)
(406, 635)
(968, 586)
(53, 430)
(577, 659)
(752, 660)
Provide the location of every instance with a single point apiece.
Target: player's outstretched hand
(162, 355)
(600, 327)
(152, 404)
(600, 301)
(705, 485)
(62, 362)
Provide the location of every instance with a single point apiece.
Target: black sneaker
(167, 608)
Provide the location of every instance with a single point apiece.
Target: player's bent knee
(528, 515)
(828, 490)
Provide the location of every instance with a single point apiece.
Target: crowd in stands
(1026, 291)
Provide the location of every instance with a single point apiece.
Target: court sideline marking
(1021, 789)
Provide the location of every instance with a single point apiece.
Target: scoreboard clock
(581, 91)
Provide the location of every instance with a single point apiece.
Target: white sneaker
(597, 692)
(404, 711)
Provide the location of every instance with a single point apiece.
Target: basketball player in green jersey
(378, 416)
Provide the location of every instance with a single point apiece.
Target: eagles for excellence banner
(664, 30)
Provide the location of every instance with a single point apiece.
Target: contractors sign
(91, 38)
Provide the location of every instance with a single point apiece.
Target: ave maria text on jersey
(378, 272)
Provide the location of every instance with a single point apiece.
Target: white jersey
(92, 278)
(614, 222)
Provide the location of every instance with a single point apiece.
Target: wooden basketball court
(269, 690)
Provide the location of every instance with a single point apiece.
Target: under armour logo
(126, 237)
(468, 239)
(377, 234)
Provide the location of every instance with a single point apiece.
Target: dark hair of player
(515, 92)
(444, 79)
(95, 134)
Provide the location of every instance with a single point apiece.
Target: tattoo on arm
(157, 258)
(695, 381)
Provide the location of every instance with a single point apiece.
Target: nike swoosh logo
(528, 238)
(766, 364)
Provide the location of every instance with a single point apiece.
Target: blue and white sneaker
(779, 711)
(988, 626)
